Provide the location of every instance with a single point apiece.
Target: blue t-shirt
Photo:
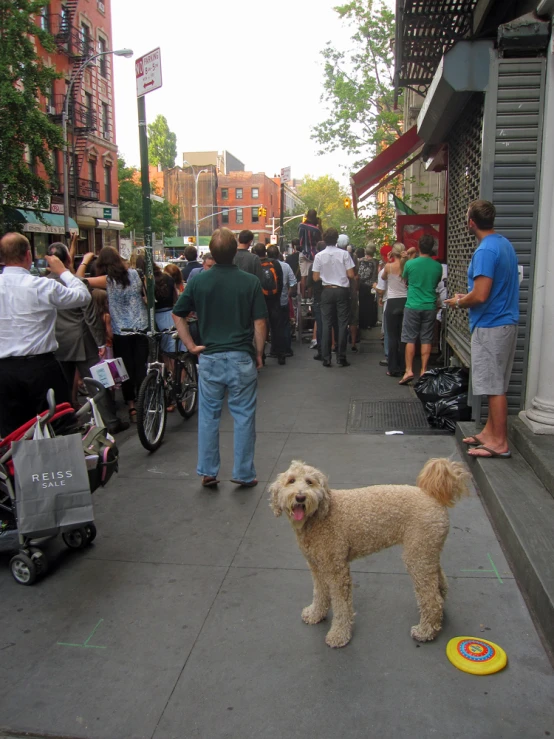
(495, 257)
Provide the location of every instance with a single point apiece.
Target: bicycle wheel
(151, 411)
(186, 385)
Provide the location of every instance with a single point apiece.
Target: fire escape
(82, 121)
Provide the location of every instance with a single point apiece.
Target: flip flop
(251, 484)
(209, 482)
(491, 453)
(407, 380)
(475, 441)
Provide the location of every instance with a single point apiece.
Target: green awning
(50, 223)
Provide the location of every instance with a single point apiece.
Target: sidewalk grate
(376, 417)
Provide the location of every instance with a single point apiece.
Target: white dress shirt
(28, 307)
(289, 280)
(331, 264)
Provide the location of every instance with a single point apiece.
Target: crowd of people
(54, 329)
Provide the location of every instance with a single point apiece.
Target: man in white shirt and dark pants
(334, 267)
(28, 308)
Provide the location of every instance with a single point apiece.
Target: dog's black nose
(300, 498)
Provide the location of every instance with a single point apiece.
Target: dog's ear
(274, 499)
(325, 500)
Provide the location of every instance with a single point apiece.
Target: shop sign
(107, 213)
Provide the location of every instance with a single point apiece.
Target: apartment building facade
(248, 200)
(81, 29)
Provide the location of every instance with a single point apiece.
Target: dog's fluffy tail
(443, 480)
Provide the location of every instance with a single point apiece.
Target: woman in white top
(397, 292)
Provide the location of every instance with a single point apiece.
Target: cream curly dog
(334, 527)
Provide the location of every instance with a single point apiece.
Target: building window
(105, 121)
(92, 170)
(239, 215)
(108, 183)
(103, 60)
(88, 106)
(101, 7)
(225, 216)
(255, 193)
(50, 103)
(85, 40)
(238, 193)
(45, 18)
(225, 193)
(255, 215)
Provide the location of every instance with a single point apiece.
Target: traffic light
(347, 203)
(262, 212)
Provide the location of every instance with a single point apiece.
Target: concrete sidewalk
(183, 619)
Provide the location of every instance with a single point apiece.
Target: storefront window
(110, 238)
(40, 242)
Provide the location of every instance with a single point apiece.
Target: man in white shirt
(28, 308)
(334, 267)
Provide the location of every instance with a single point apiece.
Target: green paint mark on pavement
(85, 644)
(494, 570)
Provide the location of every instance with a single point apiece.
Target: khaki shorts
(305, 265)
(492, 357)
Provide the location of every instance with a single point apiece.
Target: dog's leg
(317, 611)
(425, 571)
(443, 583)
(340, 586)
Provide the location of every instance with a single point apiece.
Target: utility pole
(281, 219)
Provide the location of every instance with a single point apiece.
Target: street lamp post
(196, 220)
(127, 53)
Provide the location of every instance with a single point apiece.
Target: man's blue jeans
(235, 372)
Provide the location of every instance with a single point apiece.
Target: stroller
(101, 457)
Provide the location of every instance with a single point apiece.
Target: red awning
(384, 163)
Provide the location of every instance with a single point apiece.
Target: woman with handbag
(127, 312)
(397, 292)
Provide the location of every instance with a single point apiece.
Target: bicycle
(161, 386)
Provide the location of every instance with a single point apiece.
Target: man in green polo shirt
(232, 323)
(422, 275)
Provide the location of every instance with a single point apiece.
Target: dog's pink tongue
(298, 513)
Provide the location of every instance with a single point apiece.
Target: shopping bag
(110, 372)
(52, 488)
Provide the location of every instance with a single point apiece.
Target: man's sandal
(209, 482)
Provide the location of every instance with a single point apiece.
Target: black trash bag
(442, 382)
(446, 412)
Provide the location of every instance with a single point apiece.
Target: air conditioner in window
(51, 109)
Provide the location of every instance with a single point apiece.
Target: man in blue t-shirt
(493, 302)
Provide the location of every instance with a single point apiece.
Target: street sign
(57, 208)
(286, 175)
(107, 212)
(148, 71)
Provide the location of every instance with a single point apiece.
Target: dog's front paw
(311, 616)
(420, 634)
(337, 638)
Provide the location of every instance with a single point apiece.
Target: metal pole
(65, 173)
(147, 218)
(281, 219)
(196, 211)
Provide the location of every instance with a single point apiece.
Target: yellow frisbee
(478, 656)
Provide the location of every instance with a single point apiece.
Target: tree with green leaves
(162, 143)
(358, 85)
(327, 197)
(164, 215)
(27, 135)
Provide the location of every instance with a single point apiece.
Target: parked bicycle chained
(163, 386)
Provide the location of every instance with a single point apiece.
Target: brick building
(240, 195)
(81, 29)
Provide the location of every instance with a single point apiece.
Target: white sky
(220, 57)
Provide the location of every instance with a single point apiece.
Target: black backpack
(270, 281)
